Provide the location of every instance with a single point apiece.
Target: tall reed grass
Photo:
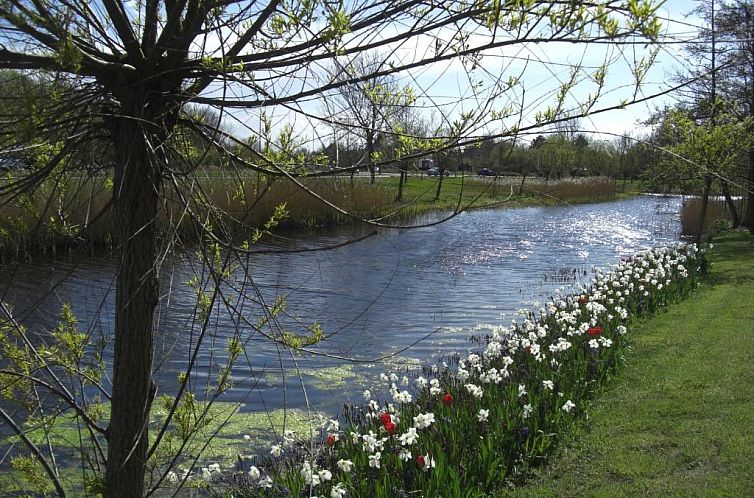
(716, 217)
(573, 190)
(74, 211)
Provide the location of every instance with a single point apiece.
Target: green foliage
(697, 146)
(298, 341)
(67, 362)
(339, 22)
(31, 470)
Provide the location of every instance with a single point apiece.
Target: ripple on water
(416, 293)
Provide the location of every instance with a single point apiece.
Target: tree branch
(123, 27)
(35, 451)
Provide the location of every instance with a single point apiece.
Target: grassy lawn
(419, 192)
(679, 418)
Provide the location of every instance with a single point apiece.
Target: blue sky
(447, 86)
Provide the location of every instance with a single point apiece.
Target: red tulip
(385, 418)
(331, 439)
(390, 428)
(447, 400)
(594, 331)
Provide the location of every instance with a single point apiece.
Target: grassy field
(420, 192)
(679, 418)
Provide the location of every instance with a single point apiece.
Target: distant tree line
(554, 156)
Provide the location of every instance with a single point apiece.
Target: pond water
(390, 302)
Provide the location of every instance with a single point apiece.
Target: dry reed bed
(74, 212)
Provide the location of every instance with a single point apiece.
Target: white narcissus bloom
(367, 394)
(370, 442)
(521, 390)
(289, 436)
(421, 382)
(493, 350)
(402, 397)
(483, 415)
(548, 384)
(424, 420)
(265, 482)
(568, 406)
(310, 478)
(594, 344)
(374, 460)
(345, 465)
(409, 437)
(462, 374)
(338, 491)
(434, 387)
(276, 450)
(404, 455)
(491, 376)
(474, 390)
(254, 473)
(527, 411)
(332, 426)
(172, 477)
(324, 475)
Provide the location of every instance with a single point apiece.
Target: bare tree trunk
(521, 187)
(748, 220)
(705, 199)
(439, 184)
(401, 181)
(135, 194)
(370, 151)
(731, 206)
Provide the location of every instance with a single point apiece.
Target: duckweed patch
(228, 435)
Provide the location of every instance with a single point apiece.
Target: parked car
(485, 172)
(436, 172)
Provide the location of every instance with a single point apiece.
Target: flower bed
(484, 419)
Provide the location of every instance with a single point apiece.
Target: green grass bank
(679, 418)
